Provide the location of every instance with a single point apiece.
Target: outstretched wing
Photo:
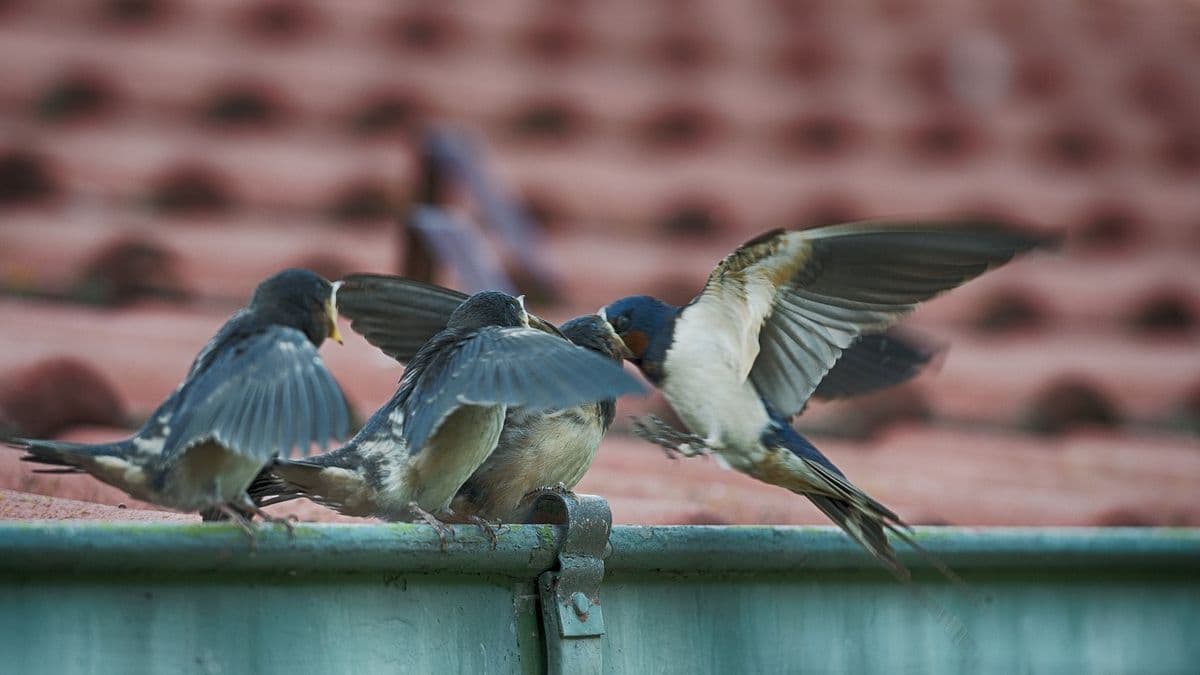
(503, 366)
(791, 302)
(875, 361)
(399, 315)
(259, 396)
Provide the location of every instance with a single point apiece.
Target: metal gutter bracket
(572, 616)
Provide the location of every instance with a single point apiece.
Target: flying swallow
(746, 354)
(413, 455)
(258, 389)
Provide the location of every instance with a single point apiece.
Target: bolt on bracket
(572, 615)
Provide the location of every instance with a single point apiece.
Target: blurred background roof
(160, 157)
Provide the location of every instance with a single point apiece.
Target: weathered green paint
(131, 598)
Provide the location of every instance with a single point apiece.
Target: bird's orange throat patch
(637, 341)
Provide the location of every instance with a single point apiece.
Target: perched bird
(543, 448)
(537, 448)
(744, 356)
(256, 390)
(555, 448)
(413, 455)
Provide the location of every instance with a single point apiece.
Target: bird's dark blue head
(646, 326)
(299, 299)
(489, 308)
(594, 333)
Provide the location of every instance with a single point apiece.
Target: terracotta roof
(157, 159)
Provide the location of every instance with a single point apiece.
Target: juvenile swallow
(537, 448)
(258, 389)
(744, 356)
(413, 455)
(543, 449)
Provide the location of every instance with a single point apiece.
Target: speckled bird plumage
(539, 449)
(258, 388)
(446, 418)
(775, 316)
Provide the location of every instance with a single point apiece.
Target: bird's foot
(673, 441)
(559, 488)
(444, 533)
(243, 522)
(286, 521)
(488, 529)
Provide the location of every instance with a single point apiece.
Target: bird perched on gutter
(744, 356)
(413, 455)
(543, 448)
(555, 448)
(256, 390)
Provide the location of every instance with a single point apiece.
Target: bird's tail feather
(871, 533)
(865, 528)
(283, 481)
(868, 522)
(69, 457)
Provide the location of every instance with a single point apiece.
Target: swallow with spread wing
(258, 389)
(744, 356)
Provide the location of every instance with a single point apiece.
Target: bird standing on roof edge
(413, 455)
(743, 357)
(258, 389)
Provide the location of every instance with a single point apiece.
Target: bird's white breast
(706, 380)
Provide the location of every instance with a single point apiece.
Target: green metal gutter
(153, 598)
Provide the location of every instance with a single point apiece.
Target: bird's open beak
(332, 314)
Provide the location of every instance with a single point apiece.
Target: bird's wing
(789, 303)
(399, 315)
(505, 366)
(876, 361)
(259, 396)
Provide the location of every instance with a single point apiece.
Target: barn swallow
(555, 448)
(744, 356)
(445, 419)
(258, 389)
(537, 448)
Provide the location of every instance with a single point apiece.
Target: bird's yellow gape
(332, 313)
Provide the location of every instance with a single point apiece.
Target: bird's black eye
(620, 323)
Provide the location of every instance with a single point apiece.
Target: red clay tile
(52, 395)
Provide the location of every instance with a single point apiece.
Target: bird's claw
(488, 529)
(444, 533)
(559, 488)
(674, 442)
(249, 509)
(243, 522)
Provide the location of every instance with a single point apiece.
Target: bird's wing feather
(399, 315)
(876, 361)
(505, 366)
(260, 396)
(793, 301)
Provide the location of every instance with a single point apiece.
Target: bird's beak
(332, 314)
(615, 342)
(524, 312)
